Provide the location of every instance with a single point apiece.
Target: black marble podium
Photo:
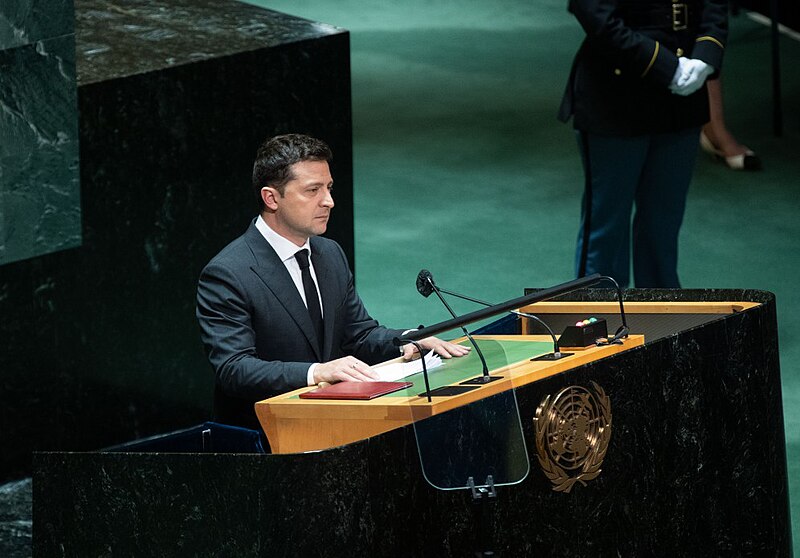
(98, 342)
(695, 466)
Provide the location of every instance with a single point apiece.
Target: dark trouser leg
(660, 204)
(612, 167)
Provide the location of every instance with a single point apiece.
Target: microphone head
(425, 283)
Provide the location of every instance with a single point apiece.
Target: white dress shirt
(286, 249)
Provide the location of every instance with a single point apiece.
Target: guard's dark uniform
(638, 140)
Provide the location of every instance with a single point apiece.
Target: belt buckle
(680, 16)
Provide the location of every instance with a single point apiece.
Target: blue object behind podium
(209, 437)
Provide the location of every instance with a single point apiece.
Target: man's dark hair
(276, 155)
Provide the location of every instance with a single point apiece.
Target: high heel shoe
(744, 161)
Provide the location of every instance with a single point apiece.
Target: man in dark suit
(271, 318)
(637, 93)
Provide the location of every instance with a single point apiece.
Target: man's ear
(270, 197)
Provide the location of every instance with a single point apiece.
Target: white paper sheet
(394, 371)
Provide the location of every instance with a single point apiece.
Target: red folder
(355, 390)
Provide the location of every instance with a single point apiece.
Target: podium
(687, 457)
(296, 425)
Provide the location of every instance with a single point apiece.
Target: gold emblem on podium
(572, 434)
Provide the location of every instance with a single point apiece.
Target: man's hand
(444, 349)
(690, 76)
(346, 369)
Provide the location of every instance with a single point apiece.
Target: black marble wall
(696, 466)
(99, 344)
(15, 519)
(39, 193)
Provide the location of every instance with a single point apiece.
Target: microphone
(426, 286)
(425, 283)
(622, 331)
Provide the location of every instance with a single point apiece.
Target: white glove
(690, 76)
(682, 66)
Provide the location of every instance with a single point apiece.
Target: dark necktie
(310, 289)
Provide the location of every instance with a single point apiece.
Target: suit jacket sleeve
(252, 341)
(361, 335)
(225, 318)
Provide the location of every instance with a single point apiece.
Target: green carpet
(462, 168)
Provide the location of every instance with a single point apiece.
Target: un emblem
(572, 435)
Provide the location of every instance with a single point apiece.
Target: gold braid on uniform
(712, 39)
(652, 60)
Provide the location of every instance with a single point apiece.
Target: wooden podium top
(297, 425)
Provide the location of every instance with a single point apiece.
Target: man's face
(305, 206)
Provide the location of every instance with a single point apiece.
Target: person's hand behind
(345, 369)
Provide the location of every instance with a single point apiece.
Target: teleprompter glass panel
(478, 439)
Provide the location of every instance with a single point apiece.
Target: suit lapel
(276, 278)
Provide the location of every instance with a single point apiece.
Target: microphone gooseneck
(622, 331)
(519, 302)
(424, 370)
(556, 351)
(425, 285)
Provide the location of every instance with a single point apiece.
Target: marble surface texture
(24, 22)
(99, 344)
(15, 519)
(119, 39)
(40, 210)
(696, 466)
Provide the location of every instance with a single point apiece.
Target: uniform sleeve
(710, 42)
(639, 53)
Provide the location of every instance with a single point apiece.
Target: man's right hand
(346, 369)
